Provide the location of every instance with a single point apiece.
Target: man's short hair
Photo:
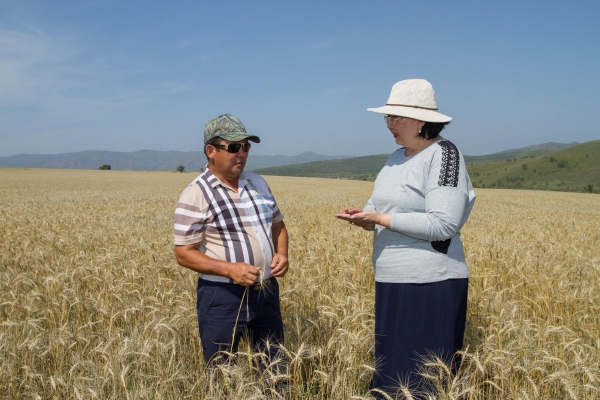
(212, 142)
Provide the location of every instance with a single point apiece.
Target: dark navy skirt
(412, 321)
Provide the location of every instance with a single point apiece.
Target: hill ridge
(145, 160)
(573, 168)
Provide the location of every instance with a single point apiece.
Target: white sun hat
(413, 98)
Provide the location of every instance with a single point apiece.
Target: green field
(538, 150)
(359, 168)
(573, 169)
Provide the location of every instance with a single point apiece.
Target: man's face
(226, 163)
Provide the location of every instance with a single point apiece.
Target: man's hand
(244, 274)
(279, 265)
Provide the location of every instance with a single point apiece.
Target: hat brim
(420, 114)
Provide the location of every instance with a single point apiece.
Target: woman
(421, 198)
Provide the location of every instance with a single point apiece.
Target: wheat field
(93, 304)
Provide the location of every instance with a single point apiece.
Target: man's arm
(190, 257)
(279, 265)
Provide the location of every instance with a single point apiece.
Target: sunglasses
(391, 119)
(234, 147)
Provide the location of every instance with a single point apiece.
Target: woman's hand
(364, 219)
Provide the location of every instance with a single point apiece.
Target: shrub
(105, 167)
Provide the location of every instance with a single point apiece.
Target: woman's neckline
(433, 141)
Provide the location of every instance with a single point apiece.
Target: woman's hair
(431, 130)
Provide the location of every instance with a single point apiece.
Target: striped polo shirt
(229, 225)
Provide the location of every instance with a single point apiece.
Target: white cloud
(54, 75)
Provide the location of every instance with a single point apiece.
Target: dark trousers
(225, 313)
(412, 321)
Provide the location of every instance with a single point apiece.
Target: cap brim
(420, 114)
(236, 136)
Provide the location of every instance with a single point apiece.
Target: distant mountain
(360, 168)
(574, 168)
(367, 167)
(145, 160)
(255, 162)
(535, 150)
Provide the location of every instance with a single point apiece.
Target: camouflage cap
(227, 127)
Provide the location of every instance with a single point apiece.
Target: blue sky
(133, 75)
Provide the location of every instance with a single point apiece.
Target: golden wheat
(93, 304)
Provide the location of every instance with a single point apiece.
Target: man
(229, 229)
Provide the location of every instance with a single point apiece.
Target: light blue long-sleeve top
(430, 197)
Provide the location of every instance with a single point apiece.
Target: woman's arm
(444, 212)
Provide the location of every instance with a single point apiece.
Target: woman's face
(405, 130)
